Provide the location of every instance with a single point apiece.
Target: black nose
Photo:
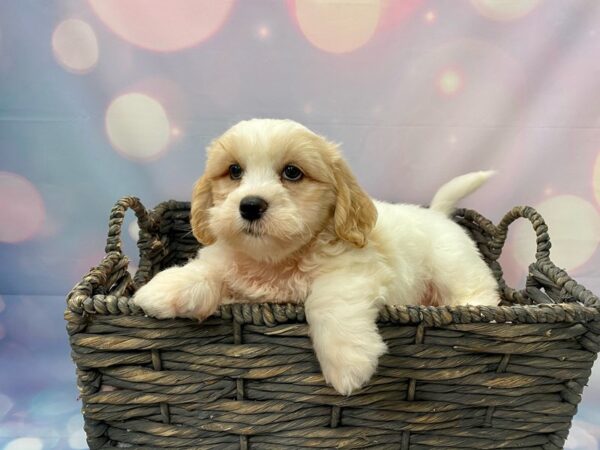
(252, 208)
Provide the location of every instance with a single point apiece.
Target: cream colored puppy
(283, 219)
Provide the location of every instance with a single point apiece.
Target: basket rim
(273, 314)
(84, 300)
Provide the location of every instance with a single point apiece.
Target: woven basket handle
(112, 271)
(148, 241)
(539, 226)
(117, 216)
(542, 273)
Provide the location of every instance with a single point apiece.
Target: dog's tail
(450, 193)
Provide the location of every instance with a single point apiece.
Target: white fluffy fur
(322, 243)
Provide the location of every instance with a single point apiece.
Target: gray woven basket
(506, 377)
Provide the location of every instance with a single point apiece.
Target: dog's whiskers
(192, 229)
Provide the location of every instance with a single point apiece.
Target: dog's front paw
(155, 301)
(172, 293)
(351, 365)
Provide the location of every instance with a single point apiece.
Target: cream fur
(322, 242)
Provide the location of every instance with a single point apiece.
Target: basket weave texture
(468, 377)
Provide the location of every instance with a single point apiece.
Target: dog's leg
(193, 291)
(341, 311)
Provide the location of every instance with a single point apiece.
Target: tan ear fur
(202, 201)
(355, 214)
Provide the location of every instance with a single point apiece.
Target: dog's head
(270, 186)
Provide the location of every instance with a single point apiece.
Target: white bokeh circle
(505, 10)
(430, 17)
(580, 438)
(134, 230)
(6, 404)
(574, 229)
(138, 127)
(338, 26)
(450, 81)
(596, 179)
(75, 45)
(25, 443)
(132, 269)
(77, 440)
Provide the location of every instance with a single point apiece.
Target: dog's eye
(292, 173)
(235, 172)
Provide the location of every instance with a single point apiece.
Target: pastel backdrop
(105, 98)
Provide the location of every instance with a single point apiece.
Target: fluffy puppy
(283, 219)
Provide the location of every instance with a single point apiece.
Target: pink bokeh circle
(22, 211)
(163, 26)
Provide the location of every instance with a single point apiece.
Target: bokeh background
(105, 98)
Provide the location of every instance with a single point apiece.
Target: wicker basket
(471, 377)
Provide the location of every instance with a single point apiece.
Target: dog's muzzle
(252, 207)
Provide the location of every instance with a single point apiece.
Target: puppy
(283, 219)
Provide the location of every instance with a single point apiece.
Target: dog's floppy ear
(202, 201)
(355, 214)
